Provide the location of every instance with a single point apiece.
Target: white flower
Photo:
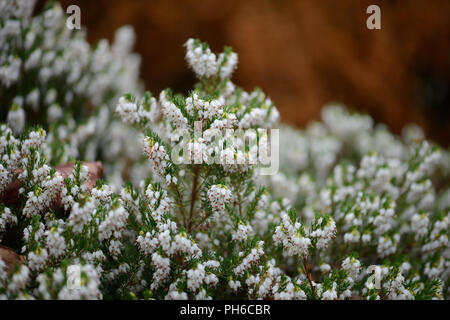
(16, 119)
(234, 285)
(201, 60)
(127, 111)
(324, 267)
(56, 242)
(290, 236)
(80, 215)
(54, 113)
(19, 279)
(242, 232)
(195, 277)
(228, 63)
(10, 72)
(114, 223)
(352, 266)
(33, 60)
(162, 270)
(37, 259)
(157, 155)
(219, 196)
(171, 111)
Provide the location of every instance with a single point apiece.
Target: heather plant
(354, 212)
(51, 76)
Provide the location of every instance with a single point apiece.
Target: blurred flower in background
(302, 53)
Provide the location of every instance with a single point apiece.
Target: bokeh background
(303, 53)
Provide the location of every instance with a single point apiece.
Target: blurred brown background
(302, 53)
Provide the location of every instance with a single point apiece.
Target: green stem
(193, 195)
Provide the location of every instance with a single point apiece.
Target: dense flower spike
(53, 77)
(201, 59)
(218, 197)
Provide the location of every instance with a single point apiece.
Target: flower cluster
(218, 197)
(50, 75)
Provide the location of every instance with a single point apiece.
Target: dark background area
(303, 53)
